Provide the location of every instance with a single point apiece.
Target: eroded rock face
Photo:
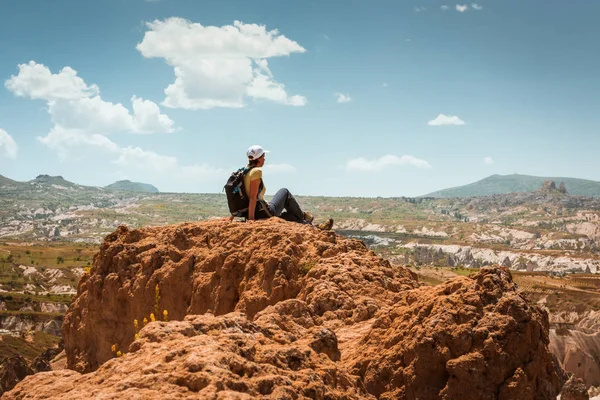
(221, 267)
(13, 370)
(43, 362)
(470, 338)
(226, 357)
(578, 346)
(574, 389)
(284, 311)
(548, 186)
(562, 188)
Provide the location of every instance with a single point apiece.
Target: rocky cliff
(278, 310)
(24, 324)
(575, 341)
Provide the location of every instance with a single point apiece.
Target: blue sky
(379, 98)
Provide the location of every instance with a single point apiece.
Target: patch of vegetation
(29, 346)
(560, 300)
(463, 271)
(35, 316)
(47, 254)
(16, 301)
(306, 267)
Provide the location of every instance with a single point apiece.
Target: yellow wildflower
(113, 348)
(165, 315)
(152, 319)
(145, 321)
(156, 299)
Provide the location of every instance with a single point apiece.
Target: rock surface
(475, 257)
(574, 389)
(578, 346)
(476, 333)
(548, 186)
(15, 323)
(284, 311)
(43, 362)
(13, 370)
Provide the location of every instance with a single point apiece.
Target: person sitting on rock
(283, 204)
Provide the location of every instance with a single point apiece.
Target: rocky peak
(47, 178)
(51, 180)
(562, 188)
(272, 309)
(549, 187)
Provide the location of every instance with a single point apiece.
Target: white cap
(255, 152)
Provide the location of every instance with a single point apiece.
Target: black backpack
(237, 198)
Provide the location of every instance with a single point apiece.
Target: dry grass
(29, 346)
(576, 292)
(49, 255)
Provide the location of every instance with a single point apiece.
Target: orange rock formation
(278, 310)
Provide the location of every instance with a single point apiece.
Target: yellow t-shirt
(254, 174)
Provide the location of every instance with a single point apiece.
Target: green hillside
(129, 186)
(6, 181)
(501, 184)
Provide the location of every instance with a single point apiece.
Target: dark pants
(283, 200)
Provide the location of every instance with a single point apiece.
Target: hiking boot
(326, 226)
(308, 217)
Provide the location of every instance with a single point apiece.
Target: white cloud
(362, 164)
(76, 144)
(462, 8)
(146, 160)
(148, 119)
(73, 144)
(37, 82)
(280, 168)
(476, 6)
(420, 9)
(384, 84)
(445, 7)
(162, 166)
(82, 120)
(263, 65)
(343, 98)
(8, 147)
(263, 87)
(488, 161)
(72, 104)
(443, 119)
(214, 65)
(92, 114)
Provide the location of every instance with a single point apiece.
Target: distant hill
(59, 183)
(47, 180)
(7, 181)
(128, 186)
(501, 184)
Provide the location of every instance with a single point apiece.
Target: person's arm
(254, 185)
